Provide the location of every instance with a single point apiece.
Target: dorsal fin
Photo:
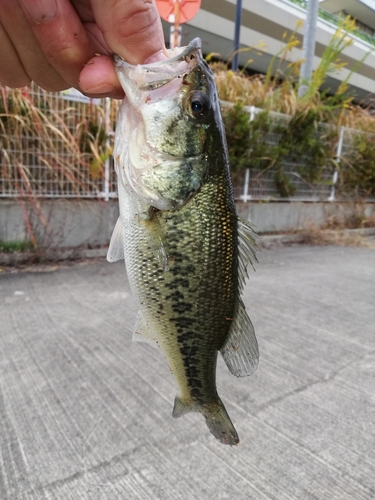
(240, 350)
(247, 248)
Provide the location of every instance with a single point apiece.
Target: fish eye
(199, 104)
(196, 106)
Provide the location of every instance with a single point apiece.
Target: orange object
(187, 9)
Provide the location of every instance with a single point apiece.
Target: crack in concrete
(84, 472)
(324, 380)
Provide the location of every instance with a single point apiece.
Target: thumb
(131, 29)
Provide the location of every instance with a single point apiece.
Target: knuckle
(140, 17)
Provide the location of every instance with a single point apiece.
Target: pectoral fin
(116, 246)
(156, 238)
(240, 350)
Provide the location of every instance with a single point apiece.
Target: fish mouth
(159, 73)
(182, 53)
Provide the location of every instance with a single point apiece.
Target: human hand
(68, 43)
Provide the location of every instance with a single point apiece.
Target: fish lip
(195, 44)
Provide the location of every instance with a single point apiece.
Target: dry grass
(278, 89)
(253, 91)
(39, 133)
(46, 147)
(347, 238)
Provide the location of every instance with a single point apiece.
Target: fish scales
(193, 301)
(180, 235)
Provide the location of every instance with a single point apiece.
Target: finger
(98, 79)
(12, 72)
(131, 28)
(27, 49)
(65, 43)
(84, 10)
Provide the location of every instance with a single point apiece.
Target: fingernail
(103, 88)
(40, 10)
(158, 56)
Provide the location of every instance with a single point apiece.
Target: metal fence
(259, 183)
(56, 144)
(59, 145)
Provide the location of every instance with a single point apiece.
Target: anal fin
(180, 408)
(143, 333)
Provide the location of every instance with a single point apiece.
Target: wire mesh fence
(307, 181)
(60, 145)
(56, 144)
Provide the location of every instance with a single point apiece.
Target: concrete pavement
(85, 413)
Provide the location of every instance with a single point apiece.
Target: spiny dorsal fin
(247, 248)
(240, 350)
(116, 246)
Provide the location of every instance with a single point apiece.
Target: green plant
(357, 171)
(263, 144)
(93, 143)
(336, 20)
(301, 139)
(329, 62)
(238, 133)
(15, 246)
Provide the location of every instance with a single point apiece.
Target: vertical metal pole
(175, 29)
(252, 113)
(176, 22)
(338, 156)
(246, 196)
(236, 42)
(308, 46)
(107, 118)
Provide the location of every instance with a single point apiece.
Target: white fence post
(246, 196)
(338, 156)
(107, 125)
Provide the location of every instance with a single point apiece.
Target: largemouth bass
(185, 249)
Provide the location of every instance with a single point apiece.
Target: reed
(277, 91)
(48, 149)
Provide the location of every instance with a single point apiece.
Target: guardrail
(335, 20)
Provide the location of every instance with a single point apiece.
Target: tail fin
(217, 419)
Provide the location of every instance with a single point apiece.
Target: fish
(186, 251)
